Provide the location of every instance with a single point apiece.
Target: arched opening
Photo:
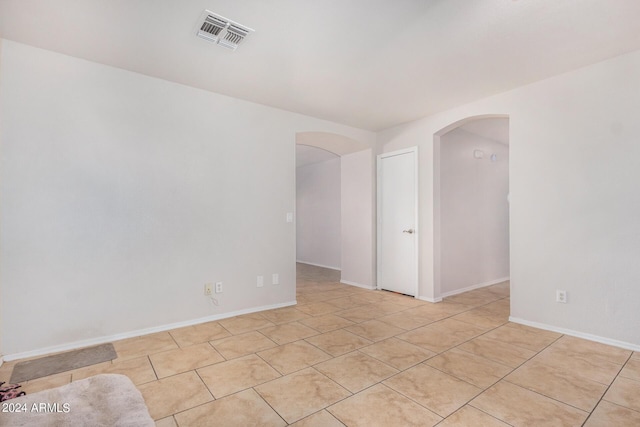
(335, 205)
(471, 210)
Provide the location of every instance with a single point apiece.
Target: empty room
(319, 213)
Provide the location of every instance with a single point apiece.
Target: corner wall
(574, 198)
(122, 195)
(358, 219)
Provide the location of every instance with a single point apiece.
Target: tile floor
(345, 356)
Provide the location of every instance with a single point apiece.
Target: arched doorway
(357, 204)
(471, 211)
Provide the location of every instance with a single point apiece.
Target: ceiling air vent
(222, 31)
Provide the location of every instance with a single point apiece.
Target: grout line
(607, 389)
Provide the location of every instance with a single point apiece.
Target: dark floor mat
(49, 365)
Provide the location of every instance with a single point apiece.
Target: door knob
(409, 231)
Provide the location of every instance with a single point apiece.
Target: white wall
(474, 213)
(122, 195)
(358, 221)
(575, 202)
(318, 214)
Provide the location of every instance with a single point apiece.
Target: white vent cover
(222, 31)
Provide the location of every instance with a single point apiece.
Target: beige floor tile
(403, 300)
(319, 419)
(372, 296)
(481, 318)
(608, 414)
(624, 392)
(631, 370)
(469, 367)
(568, 388)
(441, 336)
(46, 383)
(356, 371)
(300, 394)
(602, 372)
(635, 355)
(347, 303)
(498, 351)
(170, 395)
(520, 407)
(139, 370)
(145, 345)
(520, 338)
(338, 342)
(197, 334)
(374, 330)
(339, 291)
(555, 337)
(468, 416)
(379, 406)
(317, 308)
(245, 323)
(326, 323)
(503, 289)
(502, 306)
(226, 378)
(405, 321)
(293, 357)
(454, 326)
(284, 315)
(241, 345)
(385, 307)
(433, 389)
(358, 314)
(437, 311)
(304, 299)
(185, 359)
(473, 298)
(592, 351)
(288, 332)
(311, 296)
(166, 422)
(246, 408)
(397, 353)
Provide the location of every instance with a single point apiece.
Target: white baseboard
(1, 360)
(577, 334)
(472, 287)
(139, 332)
(319, 265)
(358, 285)
(433, 300)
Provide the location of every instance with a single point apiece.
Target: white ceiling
(367, 63)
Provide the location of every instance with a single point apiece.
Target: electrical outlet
(275, 279)
(208, 289)
(561, 296)
(260, 281)
(218, 287)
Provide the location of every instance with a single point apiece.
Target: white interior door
(398, 221)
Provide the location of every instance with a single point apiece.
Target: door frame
(379, 201)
